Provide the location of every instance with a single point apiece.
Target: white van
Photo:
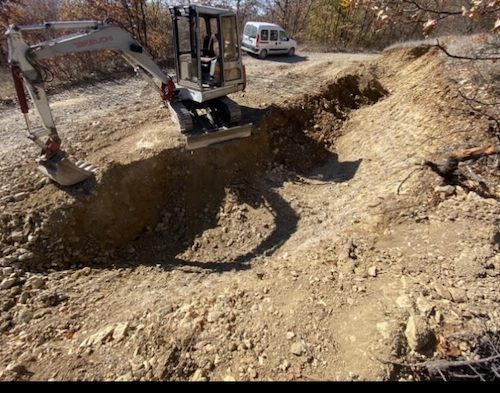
(262, 39)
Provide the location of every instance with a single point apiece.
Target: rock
(353, 375)
(247, 344)
(290, 335)
(445, 190)
(52, 299)
(27, 256)
(209, 365)
(424, 307)
(214, 316)
(16, 367)
(86, 271)
(8, 283)
(419, 335)
(4, 326)
(23, 298)
(120, 331)
(25, 315)
(7, 271)
(125, 378)
(17, 236)
(285, 365)
(8, 304)
(252, 373)
(297, 349)
(442, 292)
(98, 338)
(384, 329)
(229, 378)
(373, 271)
(20, 196)
(458, 295)
(404, 301)
(36, 282)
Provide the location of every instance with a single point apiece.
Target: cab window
(229, 32)
(283, 36)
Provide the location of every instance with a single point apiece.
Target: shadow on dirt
(285, 221)
(282, 58)
(285, 225)
(336, 171)
(287, 59)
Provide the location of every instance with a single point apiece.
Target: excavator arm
(26, 72)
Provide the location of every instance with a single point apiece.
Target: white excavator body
(197, 100)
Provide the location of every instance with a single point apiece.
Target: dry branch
(447, 169)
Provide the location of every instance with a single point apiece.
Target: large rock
(419, 335)
(199, 376)
(297, 348)
(120, 331)
(8, 283)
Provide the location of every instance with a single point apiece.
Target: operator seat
(209, 62)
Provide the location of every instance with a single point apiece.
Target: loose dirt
(318, 249)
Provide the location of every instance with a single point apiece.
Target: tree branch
(431, 11)
(442, 48)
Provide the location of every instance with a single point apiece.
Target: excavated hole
(209, 206)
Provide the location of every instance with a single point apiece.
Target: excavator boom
(23, 59)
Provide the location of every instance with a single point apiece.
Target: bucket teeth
(65, 172)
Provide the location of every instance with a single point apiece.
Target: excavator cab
(207, 53)
(208, 67)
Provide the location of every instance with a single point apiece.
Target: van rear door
(250, 36)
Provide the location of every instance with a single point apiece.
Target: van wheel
(263, 54)
(291, 52)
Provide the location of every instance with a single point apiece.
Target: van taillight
(258, 40)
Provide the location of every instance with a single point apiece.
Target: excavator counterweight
(208, 68)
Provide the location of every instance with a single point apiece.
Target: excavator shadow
(284, 225)
(336, 171)
(259, 194)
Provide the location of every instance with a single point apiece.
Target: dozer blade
(65, 172)
(199, 140)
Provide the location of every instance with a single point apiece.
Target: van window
(251, 31)
(283, 36)
(274, 35)
(264, 35)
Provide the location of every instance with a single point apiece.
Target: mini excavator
(208, 67)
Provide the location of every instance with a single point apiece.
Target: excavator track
(232, 109)
(209, 123)
(181, 116)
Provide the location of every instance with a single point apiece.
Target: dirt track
(305, 252)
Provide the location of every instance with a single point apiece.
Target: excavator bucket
(199, 140)
(65, 172)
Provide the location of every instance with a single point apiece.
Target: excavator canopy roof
(200, 9)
